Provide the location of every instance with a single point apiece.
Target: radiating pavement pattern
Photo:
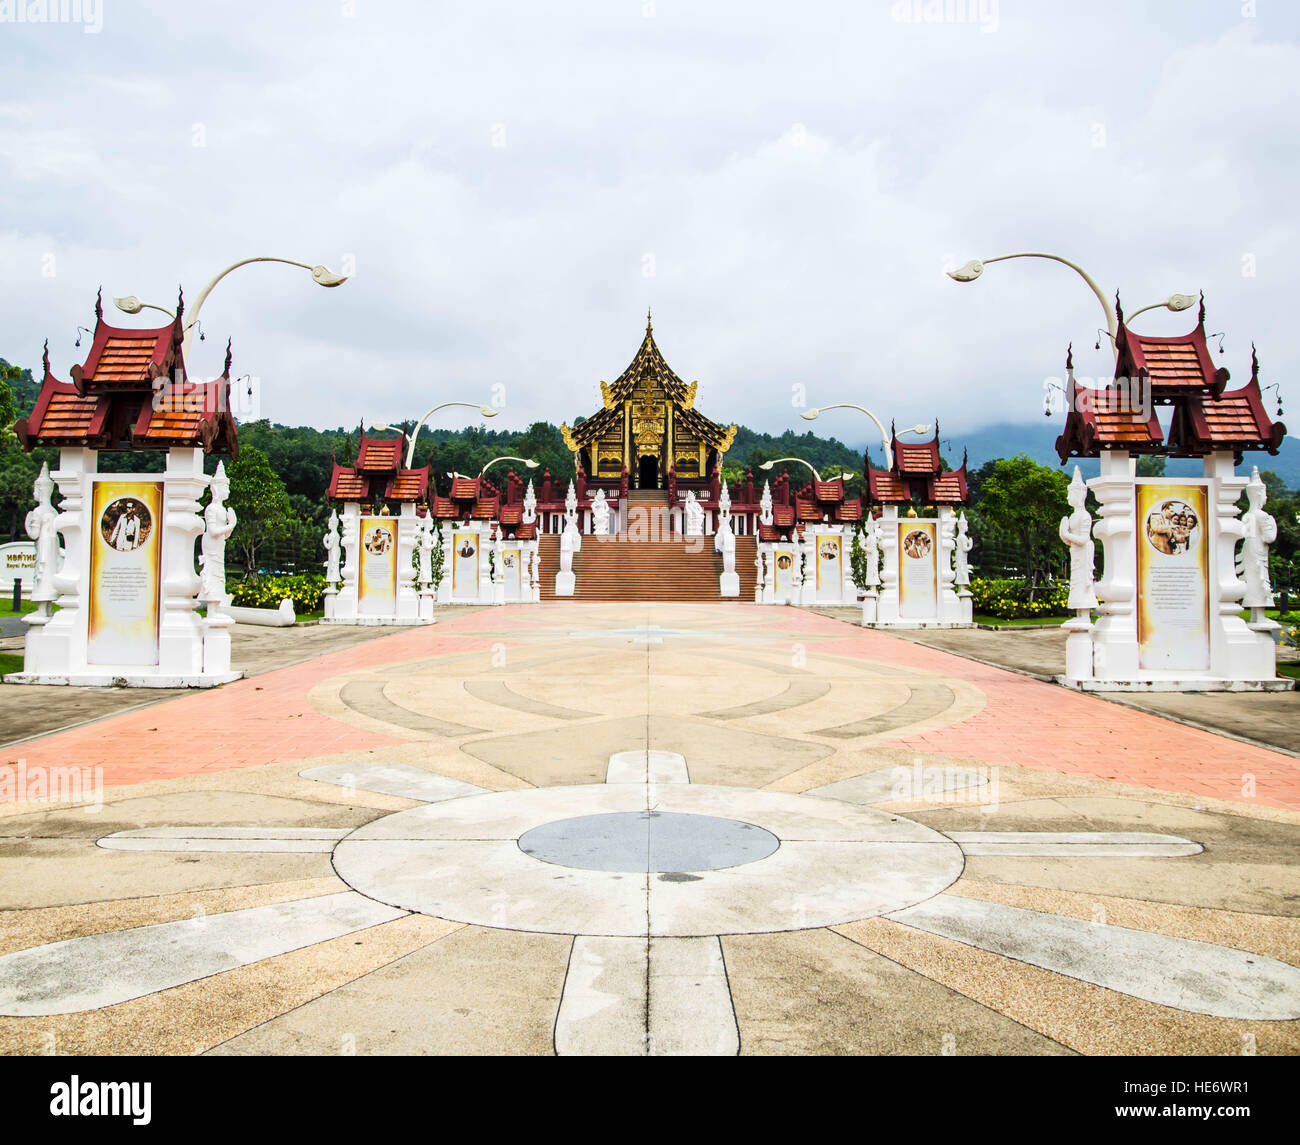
(646, 830)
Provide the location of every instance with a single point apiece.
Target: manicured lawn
(7, 607)
(1292, 671)
(10, 662)
(1023, 622)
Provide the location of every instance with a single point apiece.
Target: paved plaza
(649, 829)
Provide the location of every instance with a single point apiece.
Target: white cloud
(794, 176)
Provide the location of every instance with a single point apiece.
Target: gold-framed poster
(125, 599)
(1173, 575)
(918, 569)
(377, 570)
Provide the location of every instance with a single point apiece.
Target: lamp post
(970, 271)
(526, 460)
(486, 411)
(130, 304)
(817, 411)
(777, 460)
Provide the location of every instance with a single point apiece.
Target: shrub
(1008, 598)
(268, 591)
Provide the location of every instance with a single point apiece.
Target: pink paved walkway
(1026, 723)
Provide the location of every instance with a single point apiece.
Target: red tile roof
(380, 455)
(408, 485)
(886, 488)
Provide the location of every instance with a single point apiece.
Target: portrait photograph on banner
(829, 573)
(918, 569)
(125, 564)
(1173, 549)
(464, 566)
(377, 575)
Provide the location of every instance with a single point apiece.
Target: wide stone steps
(630, 568)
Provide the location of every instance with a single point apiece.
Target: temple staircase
(647, 562)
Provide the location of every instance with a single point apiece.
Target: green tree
(1284, 556)
(261, 504)
(1149, 465)
(8, 408)
(18, 472)
(1026, 501)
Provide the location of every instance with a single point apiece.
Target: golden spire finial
(648, 326)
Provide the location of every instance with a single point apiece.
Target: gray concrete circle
(648, 842)
(460, 859)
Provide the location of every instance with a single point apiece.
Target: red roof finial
(1200, 318)
(99, 305)
(1119, 309)
(45, 357)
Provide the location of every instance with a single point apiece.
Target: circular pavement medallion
(672, 860)
(649, 842)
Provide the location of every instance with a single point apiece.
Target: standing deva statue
(1259, 531)
(869, 539)
(600, 514)
(693, 515)
(1076, 531)
(961, 550)
(219, 522)
(426, 529)
(331, 543)
(41, 525)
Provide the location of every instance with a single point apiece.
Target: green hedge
(268, 591)
(1009, 598)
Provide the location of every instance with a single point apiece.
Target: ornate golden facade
(648, 425)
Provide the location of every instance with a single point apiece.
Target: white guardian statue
(42, 527)
(219, 522)
(600, 514)
(331, 543)
(1259, 532)
(693, 515)
(1076, 531)
(961, 551)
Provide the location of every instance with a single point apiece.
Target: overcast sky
(512, 184)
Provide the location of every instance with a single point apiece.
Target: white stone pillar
(55, 645)
(887, 602)
(180, 633)
(407, 605)
(1114, 636)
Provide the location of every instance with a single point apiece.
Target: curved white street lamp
(486, 411)
(130, 304)
(777, 460)
(970, 271)
(526, 460)
(814, 413)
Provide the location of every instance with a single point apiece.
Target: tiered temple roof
(917, 475)
(648, 412)
(132, 392)
(378, 474)
(478, 499)
(1178, 372)
(826, 501)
